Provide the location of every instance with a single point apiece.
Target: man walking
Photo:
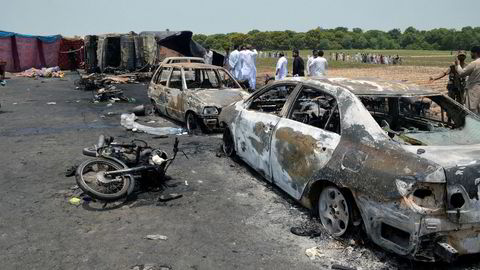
(472, 70)
(309, 61)
(298, 65)
(281, 69)
(456, 84)
(249, 69)
(319, 65)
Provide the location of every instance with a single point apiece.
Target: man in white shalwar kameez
(281, 69)
(234, 63)
(251, 64)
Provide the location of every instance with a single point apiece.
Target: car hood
(220, 97)
(460, 162)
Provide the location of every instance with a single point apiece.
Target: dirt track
(228, 217)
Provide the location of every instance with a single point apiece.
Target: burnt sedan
(193, 93)
(401, 161)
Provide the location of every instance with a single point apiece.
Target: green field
(409, 58)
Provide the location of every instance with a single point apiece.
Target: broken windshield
(424, 120)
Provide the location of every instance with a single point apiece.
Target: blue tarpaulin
(46, 39)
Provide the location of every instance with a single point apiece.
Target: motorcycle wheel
(89, 174)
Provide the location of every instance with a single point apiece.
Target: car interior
(273, 100)
(318, 109)
(399, 115)
(201, 79)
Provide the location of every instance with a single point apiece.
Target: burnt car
(183, 59)
(398, 160)
(193, 93)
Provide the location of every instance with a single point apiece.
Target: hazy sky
(83, 17)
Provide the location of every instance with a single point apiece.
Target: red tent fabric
(22, 52)
(65, 45)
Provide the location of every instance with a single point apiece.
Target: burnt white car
(400, 159)
(193, 93)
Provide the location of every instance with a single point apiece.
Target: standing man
(252, 62)
(309, 61)
(225, 59)
(456, 84)
(472, 70)
(319, 65)
(281, 69)
(298, 65)
(208, 56)
(72, 59)
(234, 63)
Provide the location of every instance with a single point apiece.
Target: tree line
(343, 38)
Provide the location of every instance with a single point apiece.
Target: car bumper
(420, 237)
(211, 122)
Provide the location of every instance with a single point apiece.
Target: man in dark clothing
(456, 84)
(298, 65)
(72, 59)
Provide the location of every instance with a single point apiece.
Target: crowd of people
(367, 58)
(241, 62)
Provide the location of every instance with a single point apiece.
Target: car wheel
(228, 145)
(334, 211)
(193, 126)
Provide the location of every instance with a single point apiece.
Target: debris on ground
(143, 110)
(95, 81)
(128, 121)
(51, 103)
(150, 266)
(112, 94)
(169, 197)
(342, 267)
(52, 72)
(70, 171)
(75, 201)
(156, 237)
(313, 252)
(303, 231)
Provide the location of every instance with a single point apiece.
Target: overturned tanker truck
(399, 160)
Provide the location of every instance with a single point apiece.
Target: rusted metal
(173, 98)
(414, 179)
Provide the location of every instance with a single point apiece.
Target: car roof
(183, 58)
(191, 65)
(371, 86)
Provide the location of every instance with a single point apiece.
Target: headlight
(210, 111)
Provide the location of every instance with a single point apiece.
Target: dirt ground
(228, 217)
(414, 74)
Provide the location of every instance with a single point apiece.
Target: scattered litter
(3, 82)
(341, 267)
(75, 201)
(186, 183)
(128, 121)
(151, 122)
(74, 187)
(200, 181)
(15, 103)
(51, 103)
(314, 252)
(109, 104)
(71, 171)
(302, 231)
(156, 237)
(52, 72)
(150, 266)
(169, 197)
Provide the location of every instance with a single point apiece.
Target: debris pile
(128, 121)
(104, 86)
(52, 72)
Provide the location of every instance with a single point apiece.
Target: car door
(303, 142)
(256, 123)
(174, 95)
(157, 88)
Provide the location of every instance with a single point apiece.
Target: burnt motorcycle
(112, 174)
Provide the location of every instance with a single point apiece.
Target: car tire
(228, 145)
(334, 211)
(192, 124)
